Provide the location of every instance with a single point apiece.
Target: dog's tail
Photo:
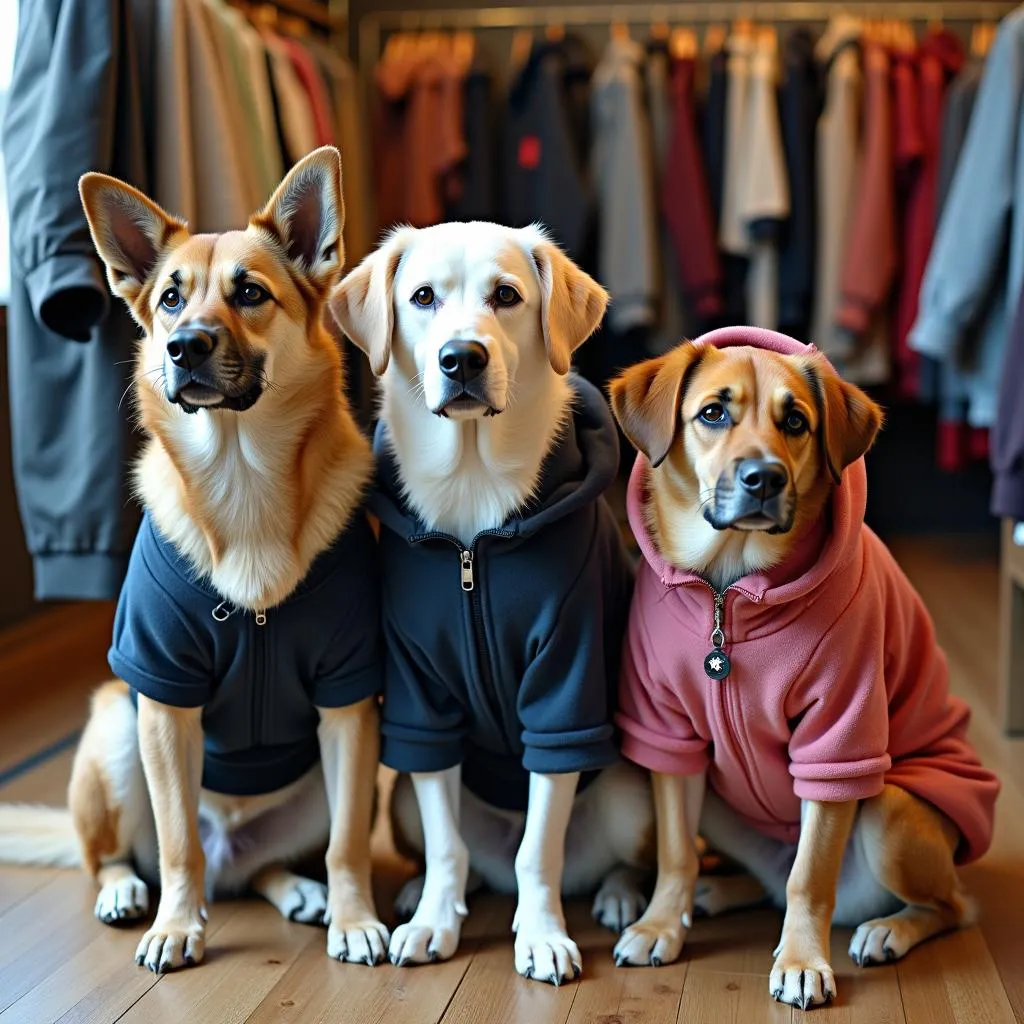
(32, 834)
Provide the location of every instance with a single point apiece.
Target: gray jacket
(76, 104)
(976, 266)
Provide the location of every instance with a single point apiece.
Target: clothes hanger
(683, 44)
(714, 39)
(619, 32)
(660, 31)
(463, 49)
(522, 46)
(555, 32)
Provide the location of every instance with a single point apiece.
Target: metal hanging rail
(374, 23)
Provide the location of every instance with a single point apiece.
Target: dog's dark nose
(761, 479)
(190, 347)
(462, 360)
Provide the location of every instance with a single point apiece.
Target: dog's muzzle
(463, 364)
(757, 497)
(203, 370)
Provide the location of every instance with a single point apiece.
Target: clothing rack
(373, 24)
(331, 16)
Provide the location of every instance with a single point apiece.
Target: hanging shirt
(624, 180)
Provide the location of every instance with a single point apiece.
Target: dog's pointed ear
(572, 302)
(306, 214)
(849, 420)
(363, 304)
(646, 399)
(130, 232)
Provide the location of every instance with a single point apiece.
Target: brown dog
(776, 651)
(253, 467)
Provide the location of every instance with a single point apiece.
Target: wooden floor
(58, 963)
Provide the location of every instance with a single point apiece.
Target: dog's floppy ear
(572, 302)
(363, 304)
(129, 230)
(646, 399)
(850, 421)
(306, 214)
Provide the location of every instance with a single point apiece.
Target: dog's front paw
(357, 939)
(173, 942)
(432, 933)
(654, 940)
(802, 982)
(122, 901)
(545, 952)
(408, 898)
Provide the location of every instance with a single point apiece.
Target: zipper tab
(718, 634)
(466, 562)
(261, 618)
(717, 664)
(223, 611)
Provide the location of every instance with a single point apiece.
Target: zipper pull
(223, 612)
(717, 664)
(261, 618)
(466, 561)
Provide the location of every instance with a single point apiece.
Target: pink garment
(313, 82)
(837, 683)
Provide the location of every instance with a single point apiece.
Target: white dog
(505, 582)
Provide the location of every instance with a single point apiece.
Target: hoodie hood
(818, 554)
(578, 470)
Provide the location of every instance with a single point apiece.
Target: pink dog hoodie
(837, 684)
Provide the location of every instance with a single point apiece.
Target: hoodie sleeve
(657, 733)
(159, 648)
(565, 700)
(970, 245)
(422, 722)
(838, 747)
(352, 665)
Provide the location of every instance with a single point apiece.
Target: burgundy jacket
(918, 119)
(687, 203)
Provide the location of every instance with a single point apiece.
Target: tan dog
(252, 468)
(743, 493)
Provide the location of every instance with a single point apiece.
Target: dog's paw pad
(618, 903)
(122, 901)
(305, 902)
(880, 942)
(357, 941)
(802, 986)
(547, 956)
(650, 943)
(415, 943)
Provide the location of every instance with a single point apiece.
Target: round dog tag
(717, 664)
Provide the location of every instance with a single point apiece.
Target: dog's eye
(252, 294)
(506, 295)
(796, 424)
(424, 296)
(171, 300)
(714, 414)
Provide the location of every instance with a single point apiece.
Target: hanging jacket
(671, 320)
(178, 642)
(944, 381)
(869, 262)
(976, 266)
(762, 200)
(502, 655)
(797, 717)
(838, 157)
(297, 117)
(313, 84)
(800, 105)
(79, 99)
(543, 174)
(940, 57)
(624, 186)
(1007, 449)
(477, 197)
(713, 128)
(687, 203)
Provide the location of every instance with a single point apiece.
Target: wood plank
(317, 988)
(17, 884)
(951, 980)
(608, 994)
(44, 930)
(739, 943)
(712, 997)
(493, 991)
(252, 948)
